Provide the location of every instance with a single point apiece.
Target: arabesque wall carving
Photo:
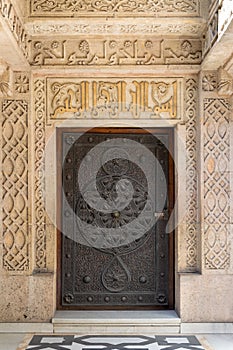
(158, 98)
(216, 151)
(111, 7)
(114, 51)
(16, 233)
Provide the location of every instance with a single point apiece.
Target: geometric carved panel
(216, 183)
(39, 175)
(16, 238)
(191, 174)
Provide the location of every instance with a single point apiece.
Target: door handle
(160, 215)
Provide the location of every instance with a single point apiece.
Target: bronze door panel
(108, 257)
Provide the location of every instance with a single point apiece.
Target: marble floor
(148, 342)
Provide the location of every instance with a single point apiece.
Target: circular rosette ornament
(115, 201)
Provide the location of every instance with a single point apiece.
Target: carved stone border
(39, 182)
(191, 174)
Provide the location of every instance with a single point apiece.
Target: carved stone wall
(16, 233)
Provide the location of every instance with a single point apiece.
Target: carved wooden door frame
(171, 194)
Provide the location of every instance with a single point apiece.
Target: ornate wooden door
(116, 196)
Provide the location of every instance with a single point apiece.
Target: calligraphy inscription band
(115, 52)
(158, 98)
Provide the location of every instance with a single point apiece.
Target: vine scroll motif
(39, 103)
(216, 184)
(16, 240)
(191, 179)
(111, 7)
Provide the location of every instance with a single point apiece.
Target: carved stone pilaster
(216, 186)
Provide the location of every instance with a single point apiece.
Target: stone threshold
(116, 322)
(26, 327)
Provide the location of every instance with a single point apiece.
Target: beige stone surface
(206, 298)
(27, 298)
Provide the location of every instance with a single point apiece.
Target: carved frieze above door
(124, 8)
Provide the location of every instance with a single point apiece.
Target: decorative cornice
(109, 8)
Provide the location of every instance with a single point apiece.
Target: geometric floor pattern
(114, 342)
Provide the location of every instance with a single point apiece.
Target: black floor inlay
(114, 342)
